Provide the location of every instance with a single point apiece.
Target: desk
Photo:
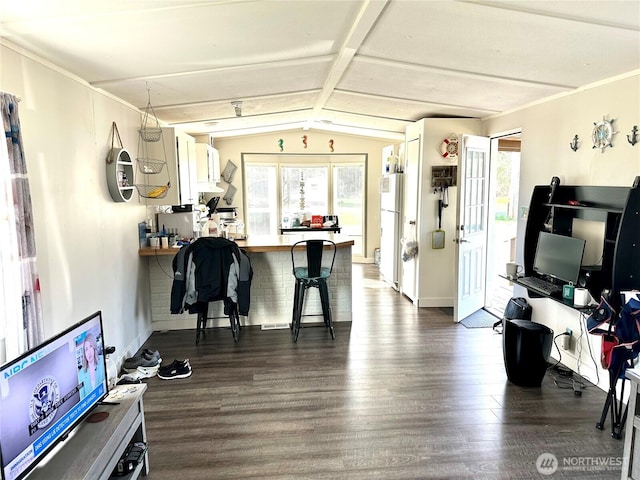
(587, 309)
(335, 229)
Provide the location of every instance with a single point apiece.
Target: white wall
(436, 267)
(87, 245)
(317, 143)
(547, 130)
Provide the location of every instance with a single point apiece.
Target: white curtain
(21, 323)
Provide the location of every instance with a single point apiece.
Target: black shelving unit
(617, 207)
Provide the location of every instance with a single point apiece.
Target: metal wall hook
(574, 143)
(634, 135)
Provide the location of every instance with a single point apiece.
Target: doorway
(503, 218)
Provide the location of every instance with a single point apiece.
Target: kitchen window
(278, 186)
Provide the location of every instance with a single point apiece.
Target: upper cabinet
(208, 168)
(179, 149)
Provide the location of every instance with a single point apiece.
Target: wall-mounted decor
(575, 143)
(304, 140)
(444, 176)
(602, 134)
(331, 144)
(449, 148)
(228, 197)
(229, 170)
(633, 139)
(281, 144)
(119, 169)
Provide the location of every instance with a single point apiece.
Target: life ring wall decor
(449, 148)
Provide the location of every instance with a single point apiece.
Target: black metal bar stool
(313, 273)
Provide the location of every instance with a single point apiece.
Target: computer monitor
(47, 391)
(559, 257)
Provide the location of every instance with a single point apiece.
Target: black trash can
(526, 347)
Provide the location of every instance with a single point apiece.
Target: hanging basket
(150, 165)
(153, 191)
(150, 130)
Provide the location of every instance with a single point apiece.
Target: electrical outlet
(566, 339)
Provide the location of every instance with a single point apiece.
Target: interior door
(471, 235)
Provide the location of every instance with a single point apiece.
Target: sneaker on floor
(131, 364)
(177, 369)
(150, 354)
(174, 364)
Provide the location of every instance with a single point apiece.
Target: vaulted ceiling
(359, 67)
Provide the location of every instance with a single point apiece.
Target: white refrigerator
(390, 218)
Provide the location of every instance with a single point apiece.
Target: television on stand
(47, 391)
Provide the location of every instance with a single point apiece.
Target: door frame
(491, 224)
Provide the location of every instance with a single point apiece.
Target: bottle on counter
(213, 228)
(209, 229)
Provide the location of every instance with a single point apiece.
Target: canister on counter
(567, 291)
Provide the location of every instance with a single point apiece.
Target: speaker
(591, 279)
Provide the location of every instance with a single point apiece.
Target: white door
(471, 237)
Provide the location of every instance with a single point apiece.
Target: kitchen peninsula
(271, 289)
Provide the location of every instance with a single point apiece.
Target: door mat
(480, 319)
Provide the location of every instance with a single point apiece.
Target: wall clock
(602, 134)
(449, 148)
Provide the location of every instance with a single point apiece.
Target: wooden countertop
(262, 243)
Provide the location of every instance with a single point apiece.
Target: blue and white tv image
(48, 391)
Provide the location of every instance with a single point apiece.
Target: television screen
(47, 391)
(559, 256)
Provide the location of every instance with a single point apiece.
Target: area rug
(480, 319)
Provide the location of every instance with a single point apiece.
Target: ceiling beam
(362, 25)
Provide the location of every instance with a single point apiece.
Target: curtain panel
(21, 322)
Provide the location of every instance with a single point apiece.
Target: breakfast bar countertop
(262, 243)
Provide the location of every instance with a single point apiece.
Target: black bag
(517, 308)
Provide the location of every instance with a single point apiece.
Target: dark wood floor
(401, 393)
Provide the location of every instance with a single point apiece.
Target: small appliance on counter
(229, 222)
(184, 223)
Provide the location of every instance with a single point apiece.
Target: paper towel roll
(581, 297)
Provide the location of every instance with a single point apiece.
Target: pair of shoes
(146, 358)
(176, 369)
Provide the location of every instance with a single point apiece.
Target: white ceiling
(361, 67)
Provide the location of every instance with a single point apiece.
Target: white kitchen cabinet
(179, 149)
(207, 168)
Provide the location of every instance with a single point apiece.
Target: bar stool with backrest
(314, 272)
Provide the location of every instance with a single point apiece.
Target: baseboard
(431, 302)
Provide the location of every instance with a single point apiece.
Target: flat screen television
(559, 257)
(48, 391)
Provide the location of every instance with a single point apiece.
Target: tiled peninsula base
(271, 292)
